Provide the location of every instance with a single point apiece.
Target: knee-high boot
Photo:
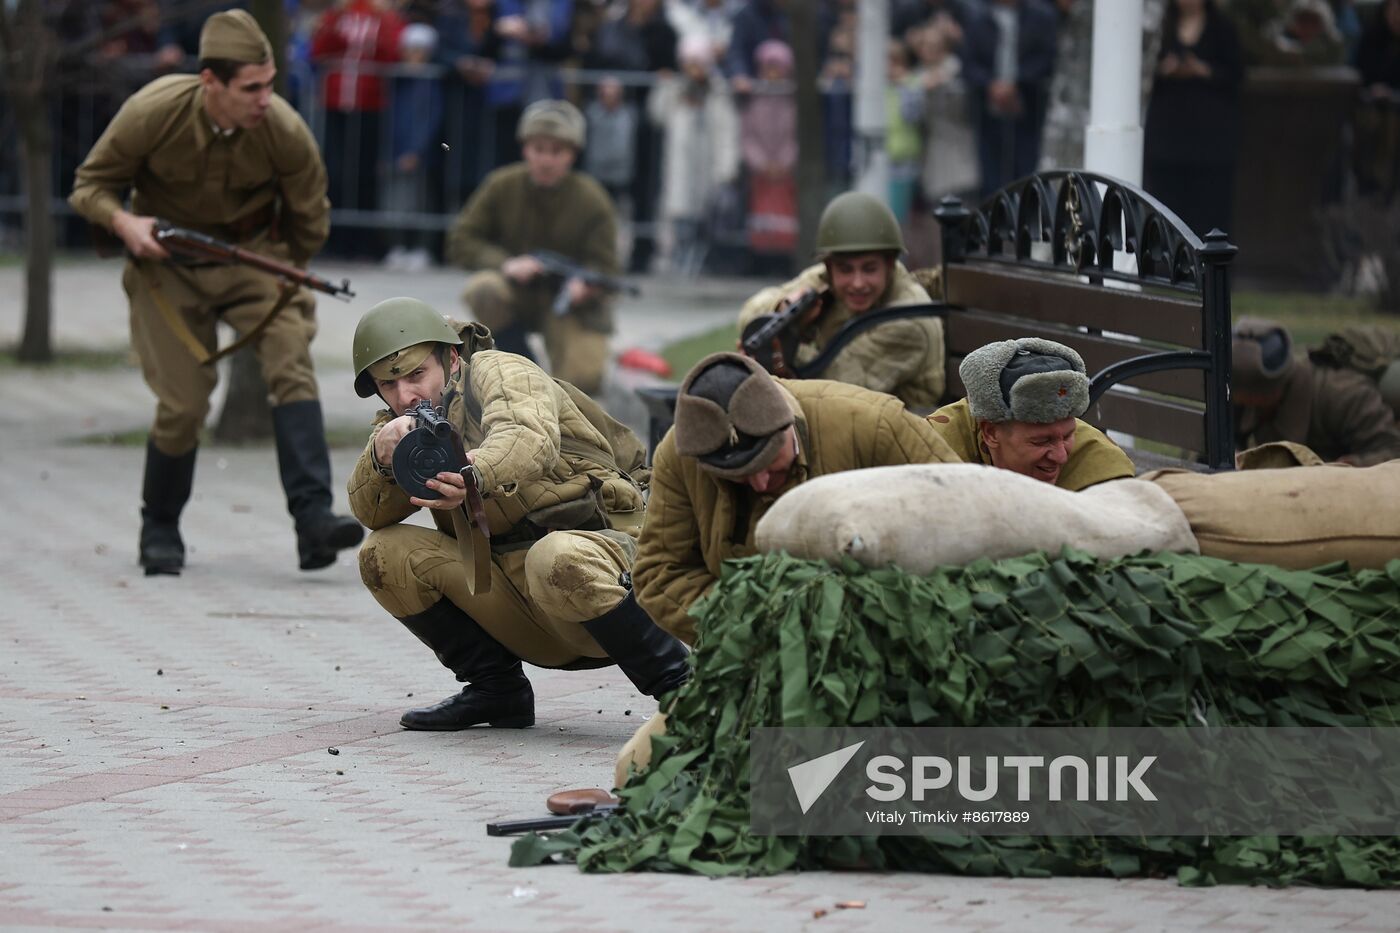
(164, 492)
(304, 463)
(653, 659)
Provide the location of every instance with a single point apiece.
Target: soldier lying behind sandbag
(741, 440)
(1021, 413)
(1338, 412)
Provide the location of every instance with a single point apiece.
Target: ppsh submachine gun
(435, 446)
(561, 267)
(772, 339)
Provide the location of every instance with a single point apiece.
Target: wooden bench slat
(1001, 290)
(1153, 418)
(965, 331)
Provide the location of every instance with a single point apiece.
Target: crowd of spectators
(690, 104)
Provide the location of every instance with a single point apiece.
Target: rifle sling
(472, 533)
(181, 330)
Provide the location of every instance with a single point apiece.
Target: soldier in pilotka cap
(1021, 413)
(1339, 413)
(220, 153)
(741, 439)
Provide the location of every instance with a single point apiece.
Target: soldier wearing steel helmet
(561, 500)
(541, 204)
(858, 244)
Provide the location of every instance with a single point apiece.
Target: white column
(1113, 138)
(872, 166)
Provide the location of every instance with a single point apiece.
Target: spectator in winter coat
(696, 113)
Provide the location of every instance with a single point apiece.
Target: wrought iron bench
(1104, 267)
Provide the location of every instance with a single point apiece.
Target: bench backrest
(1044, 257)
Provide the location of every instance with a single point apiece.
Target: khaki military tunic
(902, 358)
(509, 216)
(162, 147)
(1094, 458)
(536, 452)
(1336, 412)
(695, 521)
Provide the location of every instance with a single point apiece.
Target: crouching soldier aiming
(563, 519)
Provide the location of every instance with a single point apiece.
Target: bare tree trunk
(247, 412)
(36, 343)
(811, 157)
(27, 46)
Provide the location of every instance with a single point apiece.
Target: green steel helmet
(390, 327)
(557, 119)
(855, 222)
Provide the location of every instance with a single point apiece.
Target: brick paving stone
(203, 798)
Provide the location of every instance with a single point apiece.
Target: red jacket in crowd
(360, 32)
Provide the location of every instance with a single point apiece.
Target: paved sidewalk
(164, 743)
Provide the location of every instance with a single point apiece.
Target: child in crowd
(768, 137)
(415, 120)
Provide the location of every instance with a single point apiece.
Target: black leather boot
(305, 467)
(164, 492)
(652, 658)
(497, 692)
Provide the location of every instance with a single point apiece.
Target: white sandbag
(923, 516)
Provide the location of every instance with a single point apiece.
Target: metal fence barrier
(374, 203)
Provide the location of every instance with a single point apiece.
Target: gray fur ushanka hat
(1028, 379)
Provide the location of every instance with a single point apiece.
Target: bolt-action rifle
(194, 245)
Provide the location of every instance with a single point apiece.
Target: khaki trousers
(538, 595)
(202, 297)
(578, 353)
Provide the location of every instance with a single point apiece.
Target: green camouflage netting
(1150, 640)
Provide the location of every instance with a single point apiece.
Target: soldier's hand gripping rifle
(772, 339)
(435, 446)
(561, 267)
(193, 245)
